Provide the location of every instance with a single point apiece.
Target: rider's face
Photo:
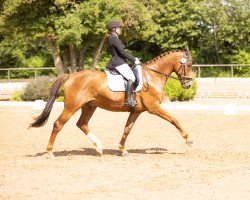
(118, 30)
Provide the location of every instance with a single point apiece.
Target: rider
(119, 61)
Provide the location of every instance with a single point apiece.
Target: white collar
(114, 34)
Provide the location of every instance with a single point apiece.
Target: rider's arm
(120, 47)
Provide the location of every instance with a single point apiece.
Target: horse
(88, 89)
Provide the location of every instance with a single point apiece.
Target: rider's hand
(137, 61)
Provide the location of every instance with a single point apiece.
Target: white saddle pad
(116, 82)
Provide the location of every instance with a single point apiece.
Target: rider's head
(114, 26)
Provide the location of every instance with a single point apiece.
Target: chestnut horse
(88, 89)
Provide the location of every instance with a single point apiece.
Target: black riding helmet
(113, 24)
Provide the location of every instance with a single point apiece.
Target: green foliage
(60, 99)
(177, 20)
(224, 27)
(16, 96)
(216, 31)
(240, 57)
(34, 62)
(38, 88)
(175, 92)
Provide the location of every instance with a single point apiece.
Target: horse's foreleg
(161, 112)
(58, 124)
(87, 112)
(130, 122)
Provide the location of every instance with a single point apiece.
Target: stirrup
(133, 103)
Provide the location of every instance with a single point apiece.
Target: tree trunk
(98, 52)
(55, 54)
(73, 59)
(81, 57)
(216, 42)
(66, 60)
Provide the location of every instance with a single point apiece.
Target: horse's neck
(164, 65)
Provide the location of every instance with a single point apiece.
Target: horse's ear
(187, 50)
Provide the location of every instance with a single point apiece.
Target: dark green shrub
(175, 92)
(38, 88)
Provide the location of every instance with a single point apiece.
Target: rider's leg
(128, 92)
(128, 74)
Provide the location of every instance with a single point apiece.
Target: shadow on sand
(112, 152)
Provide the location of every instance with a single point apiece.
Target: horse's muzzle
(186, 84)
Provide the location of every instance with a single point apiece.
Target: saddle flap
(116, 82)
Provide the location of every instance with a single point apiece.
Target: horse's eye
(189, 65)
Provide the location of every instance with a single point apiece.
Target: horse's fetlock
(48, 149)
(121, 147)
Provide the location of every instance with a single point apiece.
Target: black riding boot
(128, 92)
(133, 99)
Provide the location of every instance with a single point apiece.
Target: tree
(177, 20)
(74, 29)
(73, 32)
(224, 27)
(32, 21)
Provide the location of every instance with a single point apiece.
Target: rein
(182, 67)
(168, 75)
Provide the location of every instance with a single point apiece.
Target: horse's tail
(43, 117)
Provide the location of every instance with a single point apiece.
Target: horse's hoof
(125, 153)
(99, 151)
(49, 155)
(189, 143)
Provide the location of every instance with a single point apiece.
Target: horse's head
(179, 62)
(183, 69)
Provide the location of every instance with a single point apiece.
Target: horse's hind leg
(87, 112)
(130, 123)
(58, 124)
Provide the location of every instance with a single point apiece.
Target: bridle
(183, 62)
(181, 78)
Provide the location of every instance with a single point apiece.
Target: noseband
(182, 68)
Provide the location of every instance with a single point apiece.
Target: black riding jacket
(119, 55)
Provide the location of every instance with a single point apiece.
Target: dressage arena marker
(231, 109)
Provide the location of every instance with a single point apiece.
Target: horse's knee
(57, 126)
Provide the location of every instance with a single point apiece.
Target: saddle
(117, 83)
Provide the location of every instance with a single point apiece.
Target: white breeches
(126, 71)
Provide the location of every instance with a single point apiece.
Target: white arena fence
(197, 67)
(207, 87)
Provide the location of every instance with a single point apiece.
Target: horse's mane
(162, 55)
